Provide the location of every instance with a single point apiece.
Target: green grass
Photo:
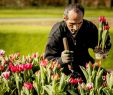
(32, 13)
(23, 39)
(48, 12)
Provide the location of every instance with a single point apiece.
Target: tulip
(35, 55)
(55, 76)
(89, 86)
(102, 19)
(106, 27)
(14, 68)
(75, 80)
(21, 67)
(44, 62)
(6, 74)
(104, 78)
(1, 68)
(28, 66)
(28, 85)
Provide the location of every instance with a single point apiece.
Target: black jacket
(87, 37)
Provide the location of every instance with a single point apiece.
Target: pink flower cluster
(20, 67)
(28, 85)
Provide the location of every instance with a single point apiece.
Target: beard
(73, 31)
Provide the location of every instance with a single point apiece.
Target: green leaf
(81, 90)
(72, 92)
(85, 72)
(106, 91)
(48, 89)
(62, 84)
(104, 38)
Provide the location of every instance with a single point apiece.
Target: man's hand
(67, 56)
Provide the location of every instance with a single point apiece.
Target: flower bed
(32, 75)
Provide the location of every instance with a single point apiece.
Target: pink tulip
(28, 85)
(104, 78)
(28, 66)
(89, 86)
(6, 74)
(21, 67)
(44, 62)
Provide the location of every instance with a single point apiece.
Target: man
(81, 35)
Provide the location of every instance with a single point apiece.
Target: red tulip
(102, 19)
(14, 68)
(1, 68)
(106, 27)
(75, 80)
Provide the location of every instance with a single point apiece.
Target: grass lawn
(23, 39)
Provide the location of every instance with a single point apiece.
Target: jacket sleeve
(54, 45)
(93, 42)
(108, 44)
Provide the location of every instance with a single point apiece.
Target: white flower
(2, 52)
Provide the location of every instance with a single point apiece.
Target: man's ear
(65, 18)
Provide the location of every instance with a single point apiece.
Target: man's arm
(54, 45)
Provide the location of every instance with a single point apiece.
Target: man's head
(73, 15)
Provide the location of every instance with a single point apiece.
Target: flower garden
(33, 75)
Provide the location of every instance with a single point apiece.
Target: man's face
(74, 20)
